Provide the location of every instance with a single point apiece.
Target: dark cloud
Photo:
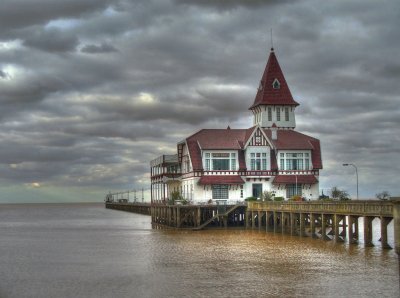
(20, 13)
(229, 4)
(52, 40)
(3, 74)
(95, 49)
(73, 117)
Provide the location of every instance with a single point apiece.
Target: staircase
(207, 222)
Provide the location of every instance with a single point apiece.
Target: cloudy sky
(92, 90)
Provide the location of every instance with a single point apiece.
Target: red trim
(220, 179)
(291, 179)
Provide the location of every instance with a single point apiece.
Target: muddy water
(85, 250)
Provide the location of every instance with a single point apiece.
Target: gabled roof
(290, 140)
(213, 139)
(256, 129)
(267, 94)
(235, 139)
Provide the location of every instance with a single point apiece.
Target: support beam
(283, 218)
(336, 223)
(292, 223)
(323, 227)
(368, 231)
(384, 223)
(312, 225)
(302, 230)
(275, 214)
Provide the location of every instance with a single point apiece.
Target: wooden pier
(197, 217)
(142, 208)
(333, 220)
(326, 220)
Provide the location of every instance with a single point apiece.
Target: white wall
(263, 118)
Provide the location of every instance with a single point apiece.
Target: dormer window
(276, 84)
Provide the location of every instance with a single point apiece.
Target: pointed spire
(273, 88)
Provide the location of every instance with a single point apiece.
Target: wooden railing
(367, 208)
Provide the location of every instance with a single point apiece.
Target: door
(257, 190)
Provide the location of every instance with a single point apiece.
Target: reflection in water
(89, 251)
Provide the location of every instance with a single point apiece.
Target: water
(84, 250)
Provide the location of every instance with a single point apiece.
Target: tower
(274, 103)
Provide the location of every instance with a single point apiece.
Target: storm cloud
(92, 90)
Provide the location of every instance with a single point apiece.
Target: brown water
(84, 250)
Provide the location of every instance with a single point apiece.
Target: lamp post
(353, 165)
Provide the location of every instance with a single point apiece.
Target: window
(294, 161)
(276, 84)
(258, 161)
(207, 165)
(286, 114)
(220, 162)
(233, 161)
(257, 190)
(241, 191)
(291, 190)
(220, 192)
(278, 114)
(269, 114)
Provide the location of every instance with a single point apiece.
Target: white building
(230, 165)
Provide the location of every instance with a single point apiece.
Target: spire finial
(272, 42)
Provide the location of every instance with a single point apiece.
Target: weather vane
(272, 42)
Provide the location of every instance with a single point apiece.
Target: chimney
(274, 132)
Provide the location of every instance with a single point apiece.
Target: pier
(332, 220)
(325, 220)
(141, 208)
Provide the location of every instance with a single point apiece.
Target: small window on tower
(276, 84)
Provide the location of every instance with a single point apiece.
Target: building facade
(229, 165)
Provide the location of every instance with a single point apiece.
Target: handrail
(373, 208)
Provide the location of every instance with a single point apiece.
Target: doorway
(257, 190)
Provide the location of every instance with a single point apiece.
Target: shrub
(339, 194)
(297, 198)
(267, 196)
(279, 199)
(384, 195)
(175, 196)
(250, 199)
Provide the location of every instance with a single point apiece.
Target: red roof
(195, 155)
(234, 139)
(291, 179)
(221, 179)
(288, 139)
(219, 138)
(266, 94)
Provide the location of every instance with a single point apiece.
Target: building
(230, 165)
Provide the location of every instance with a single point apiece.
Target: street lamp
(353, 165)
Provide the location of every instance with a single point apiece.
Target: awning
(220, 179)
(291, 179)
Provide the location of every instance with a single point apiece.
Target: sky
(92, 90)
